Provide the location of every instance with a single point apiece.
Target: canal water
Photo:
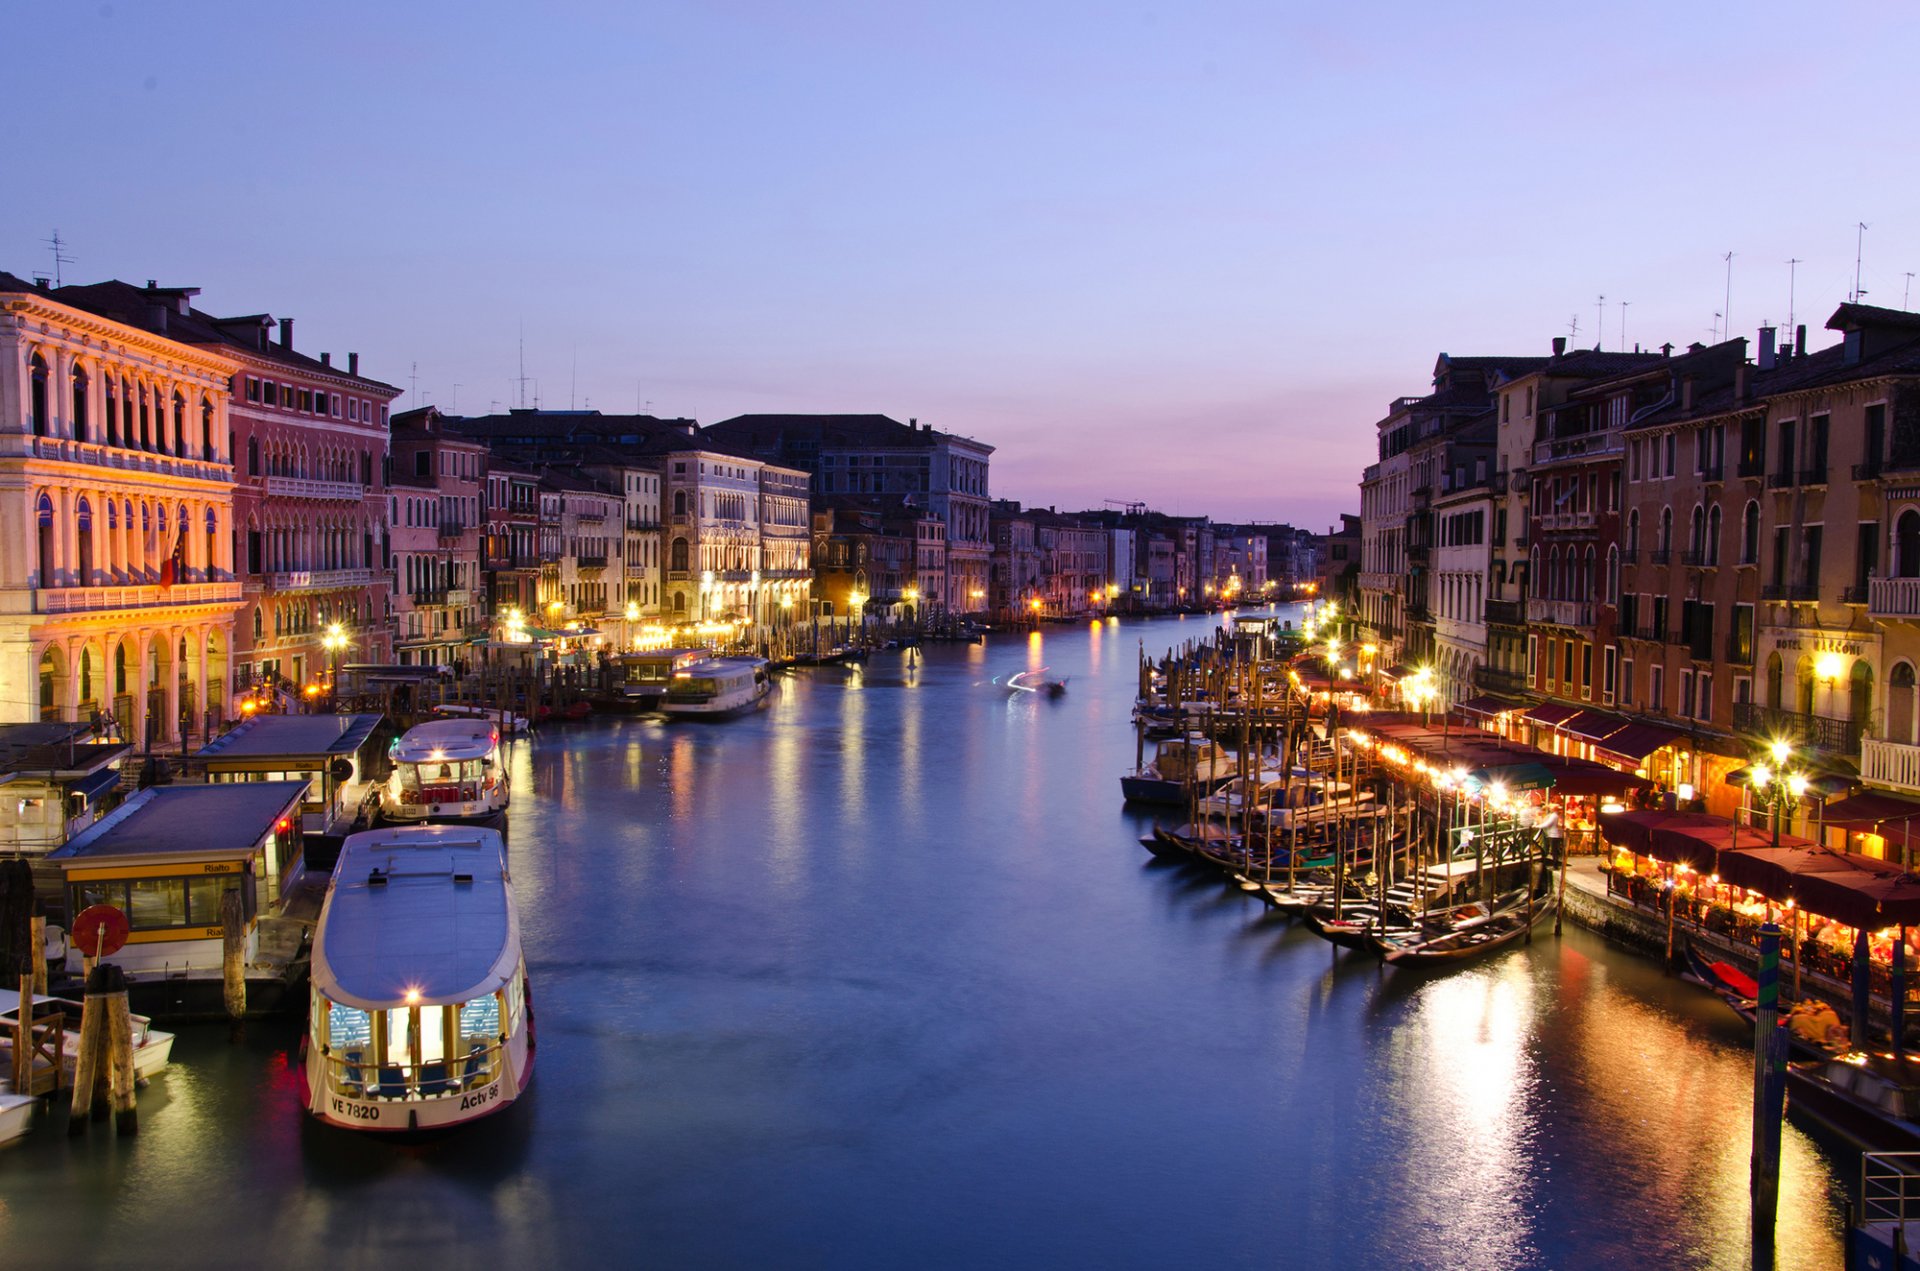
(882, 978)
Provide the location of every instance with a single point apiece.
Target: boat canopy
(419, 915)
(446, 739)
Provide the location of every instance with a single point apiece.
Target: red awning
(1636, 741)
(1776, 871)
(1685, 838)
(1487, 705)
(1595, 726)
(1876, 813)
(1552, 714)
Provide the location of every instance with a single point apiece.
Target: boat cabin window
(157, 904)
(410, 1051)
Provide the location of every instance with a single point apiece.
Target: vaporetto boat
(446, 770)
(717, 688)
(421, 1016)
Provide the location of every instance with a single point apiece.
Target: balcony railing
(1739, 652)
(1893, 598)
(1779, 480)
(303, 488)
(1821, 732)
(452, 529)
(1660, 556)
(1560, 613)
(591, 562)
(1696, 558)
(1713, 473)
(66, 449)
(315, 579)
(1629, 556)
(1512, 613)
(92, 599)
(1854, 595)
(1497, 679)
(1790, 591)
(1813, 476)
(1890, 763)
(1751, 468)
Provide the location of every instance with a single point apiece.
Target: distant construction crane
(1133, 507)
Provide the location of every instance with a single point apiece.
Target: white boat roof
(446, 739)
(721, 666)
(442, 925)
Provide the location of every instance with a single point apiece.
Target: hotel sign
(1824, 644)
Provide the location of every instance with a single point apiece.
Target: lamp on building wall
(333, 641)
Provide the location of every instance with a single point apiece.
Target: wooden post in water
(91, 1069)
(233, 954)
(37, 934)
(119, 1058)
(23, 1039)
(1769, 1090)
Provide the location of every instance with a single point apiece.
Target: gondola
(1471, 938)
(1740, 991)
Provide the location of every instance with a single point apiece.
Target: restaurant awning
(1581, 778)
(1695, 839)
(1488, 705)
(1775, 871)
(1551, 714)
(1637, 741)
(1875, 813)
(1871, 895)
(1595, 726)
(1515, 777)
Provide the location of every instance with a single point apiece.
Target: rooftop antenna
(1859, 241)
(522, 380)
(455, 408)
(1717, 315)
(1907, 290)
(413, 384)
(573, 378)
(1599, 320)
(1726, 308)
(1623, 324)
(1791, 270)
(58, 246)
(1573, 326)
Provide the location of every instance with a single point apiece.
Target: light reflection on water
(879, 977)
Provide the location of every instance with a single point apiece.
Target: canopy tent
(1776, 871)
(1875, 813)
(1694, 839)
(1870, 895)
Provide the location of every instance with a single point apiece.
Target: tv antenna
(1623, 324)
(1791, 270)
(455, 408)
(1573, 326)
(1726, 307)
(1906, 291)
(1859, 242)
(1599, 320)
(521, 380)
(1717, 315)
(413, 384)
(58, 246)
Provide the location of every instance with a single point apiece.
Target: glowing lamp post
(1775, 785)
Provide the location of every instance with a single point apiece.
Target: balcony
(1697, 558)
(1418, 613)
(317, 579)
(1660, 556)
(591, 562)
(1855, 595)
(97, 599)
(1820, 732)
(1794, 592)
(1813, 476)
(1739, 652)
(1417, 553)
(1584, 446)
(451, 529)
(1560, 613)
(422, 599)
(1499, 680)
(1567, 520)
(1423, 498)
(1751, 468)
(459, 596)
(1498, 483)
(1867, 471)
(1893, 598)
(1512, 613)
(1629, 556)
(1890, 763)
(1715, 473)
(302, 488)
(1779, 480)
(64, 449)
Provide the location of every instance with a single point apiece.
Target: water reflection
(879, 976)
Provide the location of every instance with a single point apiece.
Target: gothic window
(79, 376)
(37, 396)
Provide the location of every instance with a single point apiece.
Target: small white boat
(513, 725)
(152, 1048)
(446, 770)
(421, 1015)
(717, 688)
(16, 1113)
(1036, 682)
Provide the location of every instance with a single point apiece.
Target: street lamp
(1776, 785)
(333, 641)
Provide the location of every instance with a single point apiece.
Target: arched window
(87, 702)
(79, 376)
(679, 558)
(1666, 529)
(1633, 531)
(83, 525)
(43, 515)
(1750, 534)
(49, 686)
(110, 409)
(258, 625)
(1589, 582)
(179, 425)
(119, 670)
(37, 395)
(1776, 674)
(1860, 693)
(253, 456)
(1550, 581)
(206, 429)
(1697, 533)
(1713, 535)
(679, 502)
(213, 527)
(126, 412)
(1906, 545)
(1900, 714)
(1612, 594)
(146, 418)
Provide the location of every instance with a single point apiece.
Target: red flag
(175, 566)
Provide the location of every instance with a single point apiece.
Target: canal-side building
(1014, 571)
(436, 489)
(117, 586)
(1073, 564)
(910, 464)
(310, 507)
(510, 557)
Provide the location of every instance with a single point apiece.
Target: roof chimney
(1666, 350)
(326, 359)
(1740, 382)
(1766, 348)
(43, 282)
(286, 333)
(1800, 340)
(1559, 345)
(353, 363)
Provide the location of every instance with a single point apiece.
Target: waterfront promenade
(880, 977)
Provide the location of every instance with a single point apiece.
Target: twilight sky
(1182, 254)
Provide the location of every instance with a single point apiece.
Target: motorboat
(1871, 1099)
(421, 1016)
(446, 770)
(152, 1047)
(1178, 764)
(511, 725)
(1036, 681)
(16, 1112)
(717, 688)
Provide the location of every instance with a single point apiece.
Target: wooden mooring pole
(233, 954)
(103, 1078)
